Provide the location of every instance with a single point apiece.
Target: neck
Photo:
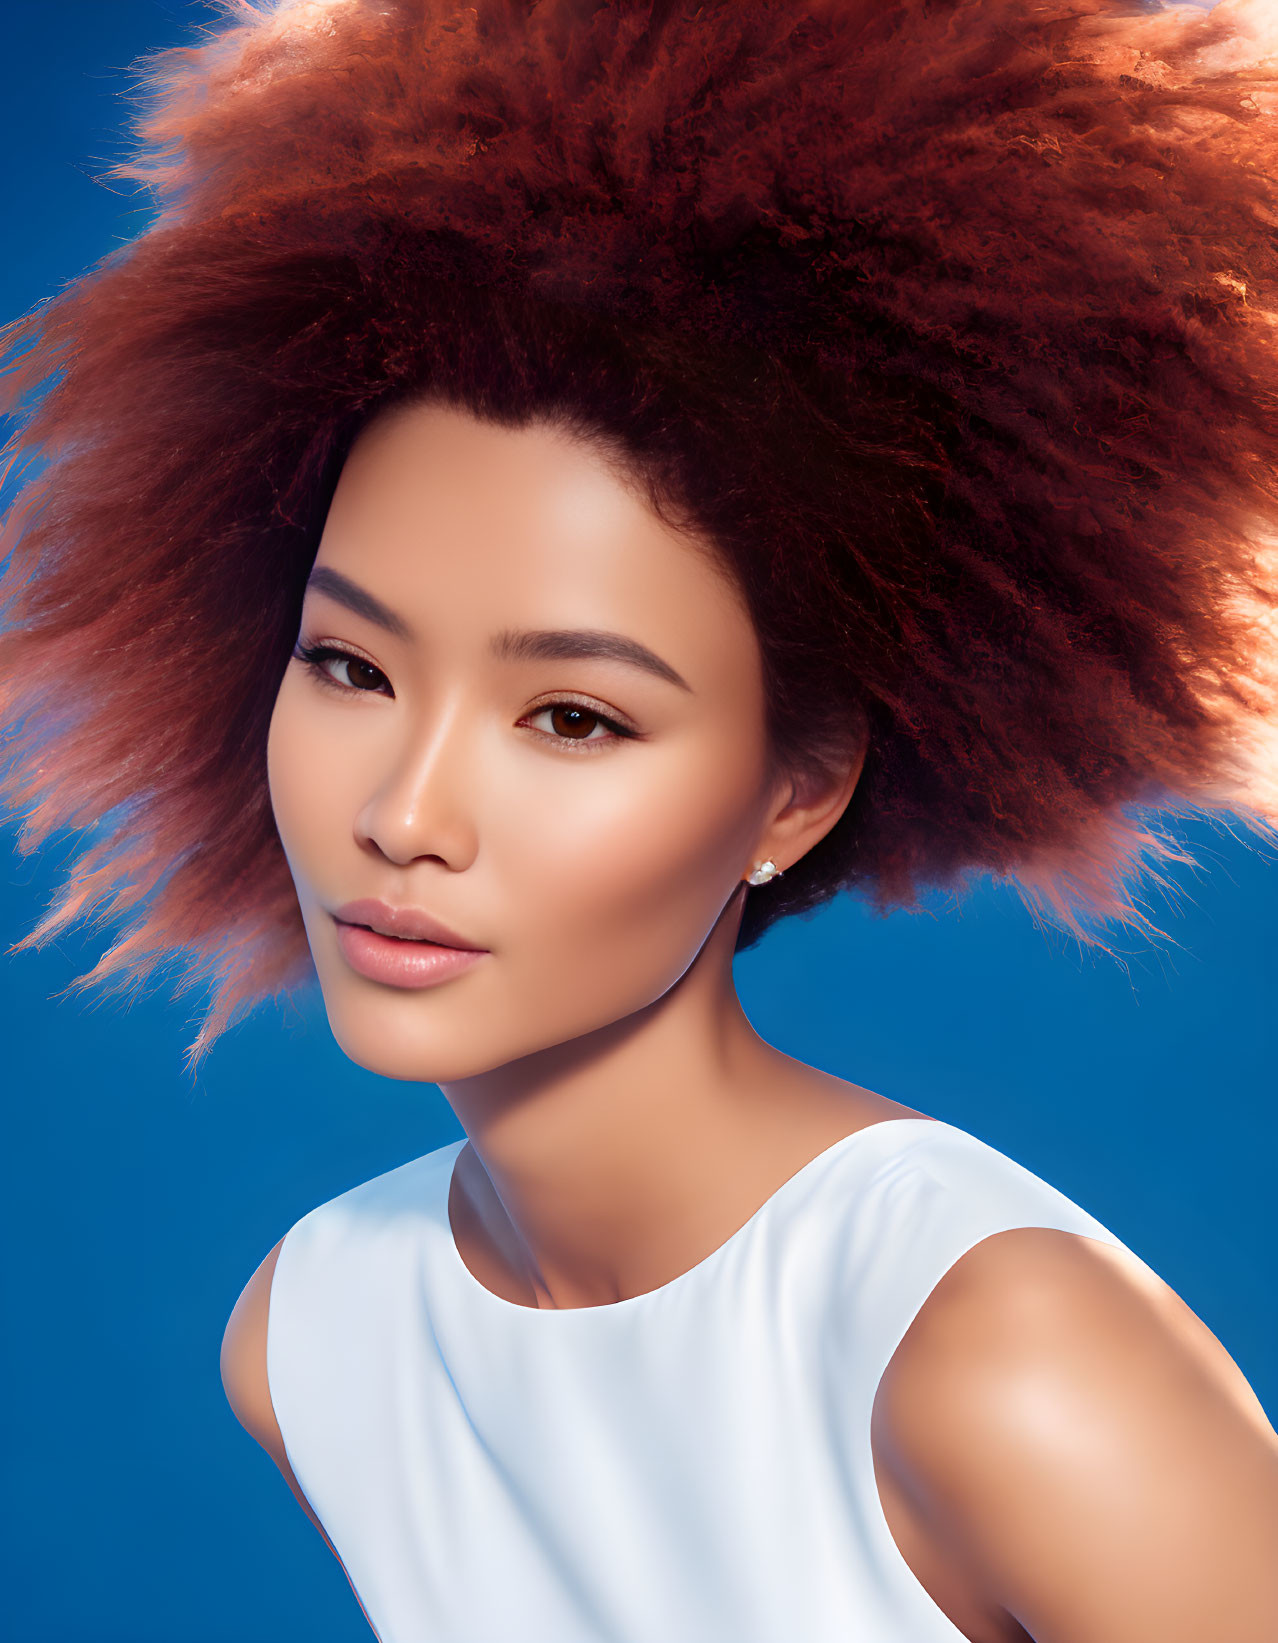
(603, 1167)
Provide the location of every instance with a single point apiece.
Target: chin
(402, 1036)
(415, 1051)
(394, 1037)
(409, 1063)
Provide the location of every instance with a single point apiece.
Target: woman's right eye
(317, 658)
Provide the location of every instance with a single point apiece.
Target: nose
(421, 802)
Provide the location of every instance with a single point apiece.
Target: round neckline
(681, 1279)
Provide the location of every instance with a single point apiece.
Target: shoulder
(323, 1245)
(1082, 1440)
(244, 1378)
(243, 1358)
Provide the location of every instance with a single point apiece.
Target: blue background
(135, 1205)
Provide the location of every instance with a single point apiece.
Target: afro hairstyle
(949, 326)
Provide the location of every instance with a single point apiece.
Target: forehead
(465, 527)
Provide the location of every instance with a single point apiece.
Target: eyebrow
(512, 644)
(355, 598)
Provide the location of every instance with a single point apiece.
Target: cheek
(302, 783)
(280, 770)
(624, 877)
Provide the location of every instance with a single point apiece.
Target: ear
(807, 804)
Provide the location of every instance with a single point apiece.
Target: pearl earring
(763, 871)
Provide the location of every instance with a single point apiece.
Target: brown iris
(568, 721)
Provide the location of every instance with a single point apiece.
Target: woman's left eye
(575, 722)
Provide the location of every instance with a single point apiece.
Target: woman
(594, 480)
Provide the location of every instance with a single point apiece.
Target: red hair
(949, 326)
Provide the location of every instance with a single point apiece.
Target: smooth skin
(1064, 1451)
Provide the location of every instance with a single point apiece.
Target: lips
(406, 923)
(395, 961)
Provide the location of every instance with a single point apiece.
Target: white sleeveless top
(689, 1465)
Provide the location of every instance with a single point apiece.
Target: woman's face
(479, 752)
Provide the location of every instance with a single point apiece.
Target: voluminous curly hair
(949, 325)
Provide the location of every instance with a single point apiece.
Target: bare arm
(1080, 1438)
(243, 1364)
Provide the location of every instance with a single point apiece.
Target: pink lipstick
(401, 946)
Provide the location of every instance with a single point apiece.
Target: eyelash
(314, 656)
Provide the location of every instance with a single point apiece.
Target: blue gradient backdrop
(135, 1205)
